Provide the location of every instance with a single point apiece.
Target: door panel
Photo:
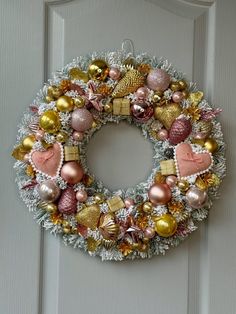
(44, 276)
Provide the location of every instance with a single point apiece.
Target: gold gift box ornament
(71, 153)
(167, 167)
(115, 203)
(121, 106)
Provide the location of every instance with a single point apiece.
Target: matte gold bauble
(147, 207)
(182, 84)
(65, 104)
(28, 142)
(50, 121)
(54, 91)
(79, 102)
(183, 185)
(211, 145)
(77, 74)
(62, 137)
(165, 225)
(98, 70)
(174, 86)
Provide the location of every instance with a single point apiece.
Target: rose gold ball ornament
(162, 134)
(141, 92)
(78, 136)
(81, 196)
(128, 202)
(149, 233)
(165, 225)
(158, 79)
(98, 70)
(142, 111)
(72, 172)
(177, 97)
(196, 198)
(159, 194)
(48, 191)
(114, 73)
(171, 181)
(82, 120)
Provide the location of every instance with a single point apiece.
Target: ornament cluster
(142, 221)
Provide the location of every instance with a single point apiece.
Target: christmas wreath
(65, 198)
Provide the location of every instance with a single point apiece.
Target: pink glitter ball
(158, 79)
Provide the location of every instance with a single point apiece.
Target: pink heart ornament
(189, 163)
(48, 162)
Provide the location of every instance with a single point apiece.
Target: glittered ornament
(159, 194)
(98, 70)
(108, 227)
(167, 114)
(50, 121)
(67, 203)
(179, 131)
(142, 111)
(165, 225)
(158, 79)
(82, 120)
(196, 198)
(89, 216)
(48, 191)
(132, 80)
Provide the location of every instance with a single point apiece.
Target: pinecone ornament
(68, 203)
(132, 80)
(180, 130)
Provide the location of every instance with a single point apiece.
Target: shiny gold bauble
(48, 99)
(65, 223)
(77, 74)
(108, 107)
(143, 247)
(174, 86)
(65, 103)
(185, 94)
(98, 70)
(157, 96)
(28, 142)
(54, 91)
(51, 208)
(79, 102)
(147, 207)
(165, 225)
(66, 230)
(182, 84)
(135, 245)
(99, 198)
(183, 185)
(62, 137)
(198, 141)
(211, 145)
(45, 144)
(146, 240)
(94, 124)
(50, 121)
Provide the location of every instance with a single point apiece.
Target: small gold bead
(183, 185)
(51, 208)
(99, 198)
(147, 207)
(174, 86)
(62, 137)
(108, 107)
(146, 240)
(185, 94)
(211, 145)
(182, 84)
(79, 102)
(66, 230)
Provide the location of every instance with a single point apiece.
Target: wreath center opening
(119, 156)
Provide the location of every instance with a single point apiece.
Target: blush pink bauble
(81, 120)
(158, 80)
(72, 172)
(159, 194)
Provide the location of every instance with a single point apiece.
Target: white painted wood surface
(40, 275)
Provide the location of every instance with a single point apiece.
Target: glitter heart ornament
(167, 114)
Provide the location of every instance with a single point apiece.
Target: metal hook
(127, 46)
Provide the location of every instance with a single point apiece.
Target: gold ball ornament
(182, 84)
(79, 102)
(48, 99)
(65, 104)
(51, 208)
(54, 91)
(183, 185)
(77, 74)
(174, 86)
(50, 121)
(185, 94)
(147, 207)
(62, 137)
(108, 107)
(157, 96)
(211, 145)
(99, 198)
(28, 142)
(98, 70)
(165, 225)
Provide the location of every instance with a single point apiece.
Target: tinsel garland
(31, 197)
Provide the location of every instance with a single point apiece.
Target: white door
(38, 273)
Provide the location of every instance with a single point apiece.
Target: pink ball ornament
(128, 202)
(26, 158)
(158, 80)
(141, 92)
(72, 172)
(149, 232)
(81, 196)
(171, 181)
(196, 198)
(114, 73)
(142, 111)
(159, 194)
(162, 134)
(48, 191)
(177, 97)
(82, 119)
(78, 136)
